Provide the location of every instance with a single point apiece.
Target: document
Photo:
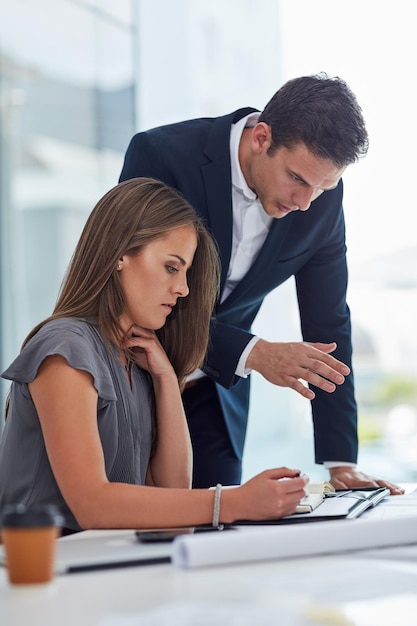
(309, 503)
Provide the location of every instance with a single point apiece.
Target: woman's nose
(182, 288)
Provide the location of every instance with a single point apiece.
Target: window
(349, 39)
(227, 55)
(67, 113)
(66, 117)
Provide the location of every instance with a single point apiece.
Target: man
(244, 173)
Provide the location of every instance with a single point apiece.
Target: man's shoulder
(200, 122)
(191, 143)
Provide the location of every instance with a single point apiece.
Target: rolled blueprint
(259, 543)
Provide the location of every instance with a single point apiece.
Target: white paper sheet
(207, 614)
(393, 609)
(259, 543)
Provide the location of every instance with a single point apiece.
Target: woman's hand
(171, 462)
(147, 350)
(271, 494)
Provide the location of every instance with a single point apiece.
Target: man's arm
(325, 316)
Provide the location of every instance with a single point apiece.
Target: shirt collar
(238, 180)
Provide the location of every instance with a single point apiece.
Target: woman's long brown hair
(127, 218)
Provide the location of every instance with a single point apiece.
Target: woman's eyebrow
(180, 259)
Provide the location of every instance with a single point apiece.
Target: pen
(338, 493)
(93, 567)
(366, 488)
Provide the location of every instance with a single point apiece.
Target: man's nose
(304, 197)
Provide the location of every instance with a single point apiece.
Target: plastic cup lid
(22, 516)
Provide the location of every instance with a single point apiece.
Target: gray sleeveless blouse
(123, 416)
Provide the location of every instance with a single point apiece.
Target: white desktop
(344, 588)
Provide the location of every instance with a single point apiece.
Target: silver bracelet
(216, 508)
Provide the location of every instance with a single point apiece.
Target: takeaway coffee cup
(29, 536)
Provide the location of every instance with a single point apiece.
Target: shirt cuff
(241, 369)
(329, 464)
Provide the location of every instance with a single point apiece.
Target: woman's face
(156, 277)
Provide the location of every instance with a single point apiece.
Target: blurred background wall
(78, 78)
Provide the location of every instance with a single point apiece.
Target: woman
(95, 421)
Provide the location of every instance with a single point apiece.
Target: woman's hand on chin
(147, 351)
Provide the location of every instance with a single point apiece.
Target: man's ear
(261, 137)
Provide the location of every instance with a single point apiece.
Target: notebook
(104, 549)
(336, 505)
(316, 493)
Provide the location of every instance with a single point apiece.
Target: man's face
(290, 179)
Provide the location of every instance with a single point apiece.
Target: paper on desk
(206, 614)
(272, 542)
(394, 506)
(393, 609)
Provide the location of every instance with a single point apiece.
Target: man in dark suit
(244, 173)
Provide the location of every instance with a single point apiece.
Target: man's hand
(347, 477)
(286, 364)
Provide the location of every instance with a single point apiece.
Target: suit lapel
(216, 174)
(219, 201)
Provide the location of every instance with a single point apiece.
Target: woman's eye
(171, 269)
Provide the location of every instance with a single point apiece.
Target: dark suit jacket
(194, 157)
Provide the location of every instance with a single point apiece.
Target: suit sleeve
(325, 317)
(226, 346)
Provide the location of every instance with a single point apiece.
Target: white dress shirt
(250, 226)
(250, 229)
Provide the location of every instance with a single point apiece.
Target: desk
(123, 597)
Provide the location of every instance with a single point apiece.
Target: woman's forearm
(171, 464)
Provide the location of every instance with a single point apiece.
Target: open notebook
(316, 493)
(329, 505)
